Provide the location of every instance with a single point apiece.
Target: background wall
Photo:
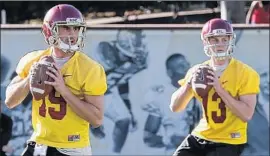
(144, 85)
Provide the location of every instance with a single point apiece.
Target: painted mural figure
(121, 59)
(152, 137)
(22, 127)
(258, 126)
(164, 128)
(6, 133)
(6, 121)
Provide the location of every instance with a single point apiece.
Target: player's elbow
(247, 117)
(173, 106)
(10, 103)
(12, 99)
(97, 123)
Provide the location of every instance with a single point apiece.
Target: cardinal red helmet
(63, 15)
(218, 27)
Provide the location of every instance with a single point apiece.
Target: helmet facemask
(67, 43)
(129, 44)
(212, 50)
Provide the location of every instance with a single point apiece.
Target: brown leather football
(199, 81)
(38, 75)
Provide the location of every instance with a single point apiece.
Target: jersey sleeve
(25, 63)
(95, 82)
(250, 82)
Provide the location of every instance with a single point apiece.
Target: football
(37, 77)
(199, 81)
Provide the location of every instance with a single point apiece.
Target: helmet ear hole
(204, 41)
(51, 40)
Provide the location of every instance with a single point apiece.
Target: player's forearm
(16, 93)
(85, 110)
(180, 98)
(239, 108)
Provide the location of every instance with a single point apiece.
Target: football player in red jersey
(230, 103)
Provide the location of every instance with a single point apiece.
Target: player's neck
(57, 53)
(219, 63)
(216, 62)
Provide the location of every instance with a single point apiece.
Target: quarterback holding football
(227, 89)
(67, 86)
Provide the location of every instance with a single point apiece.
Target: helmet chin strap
(220, 56)
(67, 48)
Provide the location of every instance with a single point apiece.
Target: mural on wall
(142, 67)
(121, 58)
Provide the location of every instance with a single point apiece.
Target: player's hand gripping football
(215, 80)
(192, 75)
(59, 83)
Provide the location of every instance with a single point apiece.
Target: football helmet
(63, 15)
(218, 27)
(130, 43)
(106, 55)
